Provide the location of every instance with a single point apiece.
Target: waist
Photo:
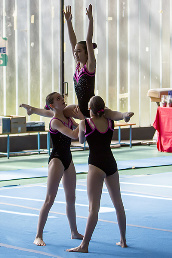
(103, 150)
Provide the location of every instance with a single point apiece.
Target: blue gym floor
(147, 200)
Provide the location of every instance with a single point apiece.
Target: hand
(78, 113)
(67, 13)
(28, 108)
(89, 12)
(127, 116)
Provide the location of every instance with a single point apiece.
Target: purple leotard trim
(69, 124)
(95, 128)
(79, 74)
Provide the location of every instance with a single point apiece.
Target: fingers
(68, 9)
(89, 10)
(130, 114)
(76, 109)
(24, 105)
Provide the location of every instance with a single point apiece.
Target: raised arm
(72, 36)
(73, 111)
(91, 63)
(116, 116)
(82, 131)
(38, 111)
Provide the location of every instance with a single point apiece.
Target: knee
(94, 209)
(49, 200)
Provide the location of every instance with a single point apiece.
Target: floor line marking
(136, 195)
(29, 250)
(157, 195)
(129, 183)
(24, 214)
(83, 217)
(102, 209)
(104, 192)
(148, 196)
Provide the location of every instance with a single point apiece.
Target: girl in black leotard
(98, 131)
(83, 52)
(84, 76)
(60, 166)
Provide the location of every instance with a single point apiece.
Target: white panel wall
(134, 52)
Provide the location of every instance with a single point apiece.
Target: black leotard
(84, 82)
(61, 145)
(100, 154)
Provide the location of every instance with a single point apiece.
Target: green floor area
(80, 157)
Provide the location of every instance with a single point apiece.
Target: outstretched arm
(91, 63)
(72, 36)
(69, 111)
(116, 116)
(38, 111)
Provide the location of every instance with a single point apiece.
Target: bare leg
(69, 184)
(112, 183)
(55, 173)
(95, 180)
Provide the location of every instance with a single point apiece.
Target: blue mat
(148, 211)
(125, 164)
(35, 172)
(143, 163)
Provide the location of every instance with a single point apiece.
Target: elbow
(81, 140)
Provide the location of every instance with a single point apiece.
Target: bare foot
(78, 249)
(28, 109)
(127, 116)
(39, 241)
(76, 236)
(122, 244)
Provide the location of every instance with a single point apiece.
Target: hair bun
(46, 107)
(94, 45)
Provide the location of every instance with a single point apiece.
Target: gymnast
(60, 166)
(98, 132)
(84, 76)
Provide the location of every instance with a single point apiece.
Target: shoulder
(54, 121)
(90, 69)
(82, 123)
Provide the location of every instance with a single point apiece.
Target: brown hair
(49, 100)
(97, 105)
(84, 45)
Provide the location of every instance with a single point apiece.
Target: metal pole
(62, 47)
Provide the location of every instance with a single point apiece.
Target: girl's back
(99, 134)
